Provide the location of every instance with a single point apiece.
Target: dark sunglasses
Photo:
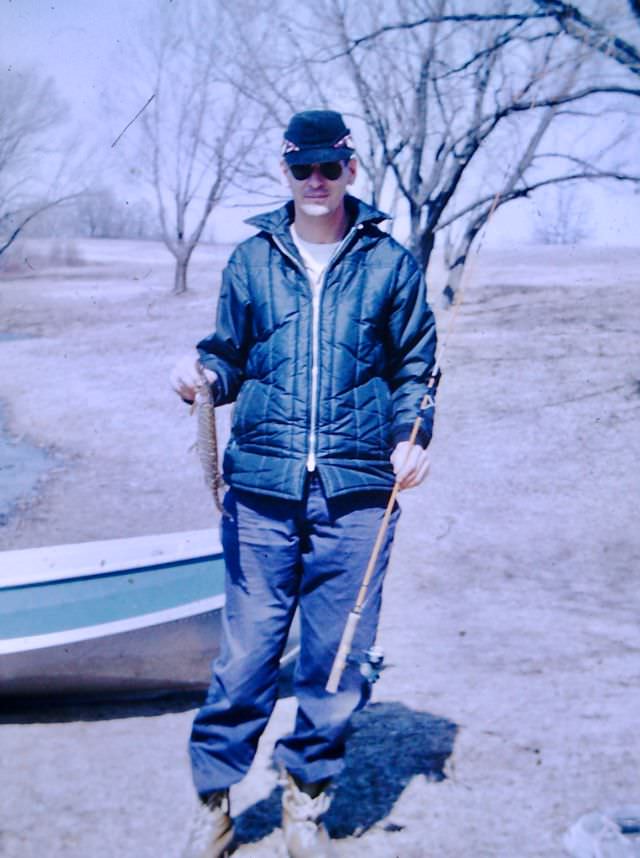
(331, 170)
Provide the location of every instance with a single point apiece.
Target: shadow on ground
(390, 744)
(52, 709)
(62, 710)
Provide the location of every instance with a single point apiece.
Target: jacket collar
(278, 222)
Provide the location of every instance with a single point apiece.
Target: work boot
(303, 805)
(211, 829)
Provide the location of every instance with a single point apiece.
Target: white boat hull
(123, 616)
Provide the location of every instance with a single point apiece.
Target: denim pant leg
(341, 536)
(262, 560)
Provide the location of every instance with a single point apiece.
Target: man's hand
(185, 376)
(410, 464)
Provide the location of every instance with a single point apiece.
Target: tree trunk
(457, 267)
(427, 243)
(180, 274)
(456, 270)
(421, 244)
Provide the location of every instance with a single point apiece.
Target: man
(325, 341)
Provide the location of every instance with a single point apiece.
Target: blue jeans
(281, 555)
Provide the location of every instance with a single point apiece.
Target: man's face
(318, 195)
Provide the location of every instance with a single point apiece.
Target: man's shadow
(389, 745)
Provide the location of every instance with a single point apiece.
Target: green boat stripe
(79, 603)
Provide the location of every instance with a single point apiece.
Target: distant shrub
(563, 218)
(64, 253)
(30, 254)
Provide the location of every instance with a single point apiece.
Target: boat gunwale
(32, 566)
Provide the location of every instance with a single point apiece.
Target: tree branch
(577, 25)
(33, 214)
(467, 18)
(526, 190)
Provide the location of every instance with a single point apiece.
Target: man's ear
(352, 168)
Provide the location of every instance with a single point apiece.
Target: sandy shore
(510, 624)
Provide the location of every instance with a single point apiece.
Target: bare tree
(462, 112)
(30, 175)
(464, 88)
(458, 105)
(571, 19)
(197, 130)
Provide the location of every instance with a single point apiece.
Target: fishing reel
(371, 664)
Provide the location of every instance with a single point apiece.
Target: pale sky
(82, 44)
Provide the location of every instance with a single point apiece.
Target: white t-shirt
(316, 257)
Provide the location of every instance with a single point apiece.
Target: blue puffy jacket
(342, 380)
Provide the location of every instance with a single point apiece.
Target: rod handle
(340, 661)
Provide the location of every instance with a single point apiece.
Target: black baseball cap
(315, 137)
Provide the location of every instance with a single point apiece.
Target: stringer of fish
(207, 438)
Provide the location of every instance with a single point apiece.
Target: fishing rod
(427, 402)
(340, 660)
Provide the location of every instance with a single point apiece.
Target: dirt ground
(510, 623)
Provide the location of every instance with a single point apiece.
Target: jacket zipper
(316, 297)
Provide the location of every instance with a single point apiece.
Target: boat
(123, 616)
